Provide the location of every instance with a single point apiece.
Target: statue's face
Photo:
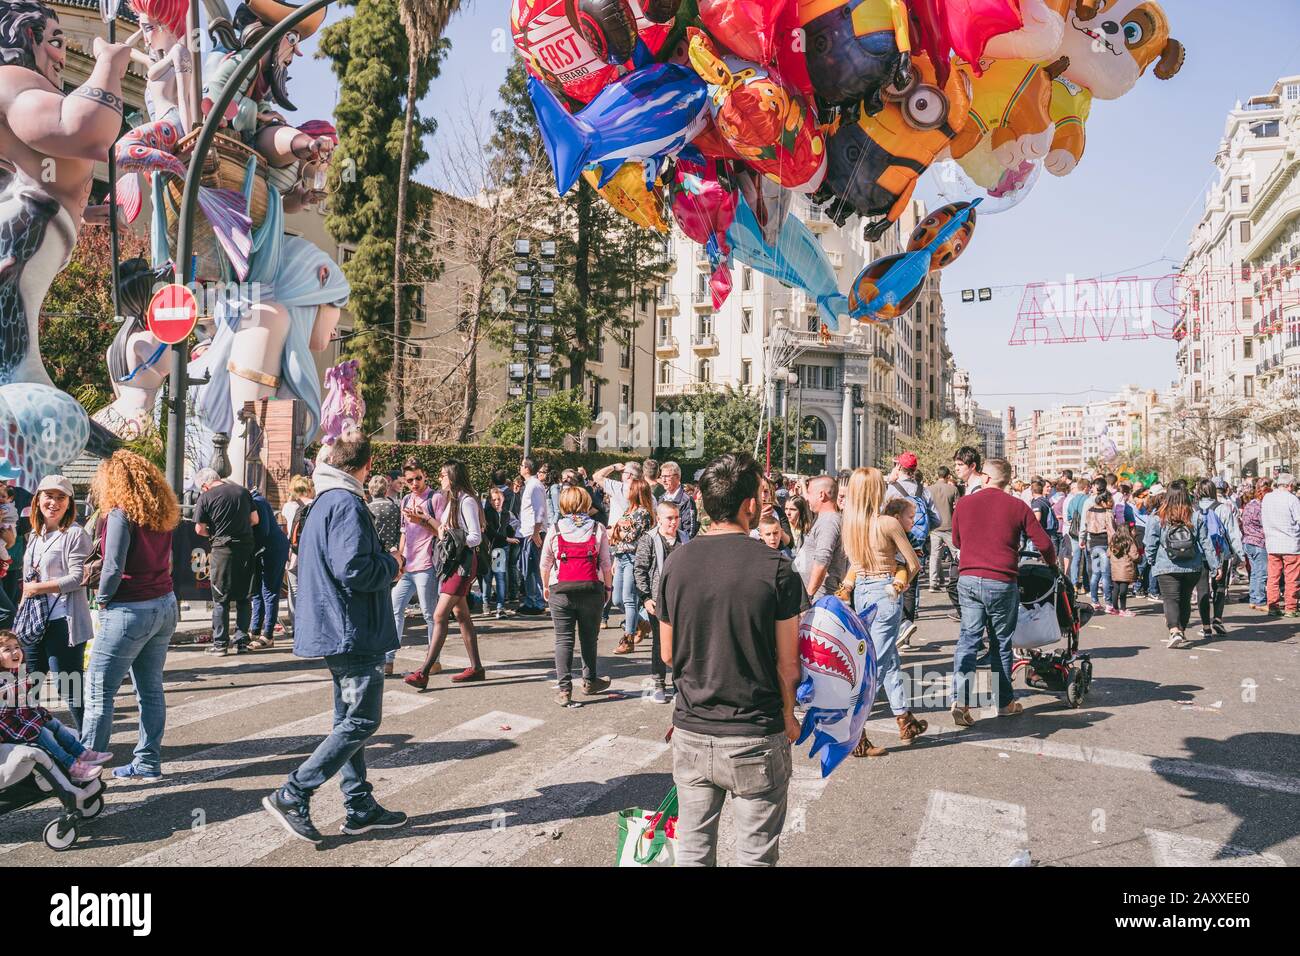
(50, 54)
(156, 36)
(327, 320)
(287, 49)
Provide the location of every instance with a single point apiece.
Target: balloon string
(158, 353)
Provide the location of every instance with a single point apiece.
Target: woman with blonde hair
(137, 606)
(882, 564)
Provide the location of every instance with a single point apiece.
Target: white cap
(55, 483)
(1157, 489)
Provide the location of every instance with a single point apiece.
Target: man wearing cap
(225, 513)
(903, 483)
(1280, 516)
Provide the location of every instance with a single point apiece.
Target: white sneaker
(908, 632)
(659, 696)
(1176, 640)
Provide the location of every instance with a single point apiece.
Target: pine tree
(369, 56)
(603, 260)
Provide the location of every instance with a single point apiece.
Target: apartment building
(860, 392)
(987, 423)
(1236, 292)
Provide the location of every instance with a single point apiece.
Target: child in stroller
(1049, 612)
(28, 773)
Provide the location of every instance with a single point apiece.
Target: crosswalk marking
(212, 764)
(961, 830)
(1177, 849)
(244, 698)
(248, 838)
(552, 798)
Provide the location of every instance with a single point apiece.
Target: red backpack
(579, 564)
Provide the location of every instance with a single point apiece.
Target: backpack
(1180, 543)
(295, 529)
(919, 534)
(1050, 524)
(1218, 534)
(1076, 521)
(578, 564)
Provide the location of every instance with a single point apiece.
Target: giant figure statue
(49, 143)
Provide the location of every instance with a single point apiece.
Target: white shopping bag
(1036, 626)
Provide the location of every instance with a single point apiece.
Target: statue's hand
(117, 55)
(271, 118)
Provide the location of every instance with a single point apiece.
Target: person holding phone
(415, 557)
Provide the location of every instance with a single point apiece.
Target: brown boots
(909, 728)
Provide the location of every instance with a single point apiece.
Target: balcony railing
(666, 345)
(702, 300)
(704, 342)
(668, 304)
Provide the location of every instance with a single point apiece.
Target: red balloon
(748, 28)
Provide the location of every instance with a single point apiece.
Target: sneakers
(1126, 613)
(497, 614)
(134, 772)
(83, 772)
(416, 679)
(293, 816)
(597, 685)
(96, 757)
(1207, 633)
(1295, 612)
(659, 696)
(531, 611)
(906, 635)
(564, 696)
(1155, 599)
(376, 818)
(1176, 639)
(1218, 627)
(469, 675)
(218, 650)
(1113, 610)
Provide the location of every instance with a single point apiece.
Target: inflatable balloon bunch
(718, 110)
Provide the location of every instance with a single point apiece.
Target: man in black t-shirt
(225, 513)
(728, 608)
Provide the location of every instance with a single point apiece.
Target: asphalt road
(1178, 757)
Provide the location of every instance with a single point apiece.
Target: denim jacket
(1162, 563)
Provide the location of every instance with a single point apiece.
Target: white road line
(960, 830)
(240, 699)
(248, 838)
(211, 764)
(1177, 849)
(576, 782)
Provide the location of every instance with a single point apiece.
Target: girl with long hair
(800, 518)
(1099, 525)
(1179, 542)
(882, 564)
(1212, 588)
(138, 612)
(1252, 537)
(636, 521)
(460, 532)
(1124, 555)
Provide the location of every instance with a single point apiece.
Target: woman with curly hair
(137, 606)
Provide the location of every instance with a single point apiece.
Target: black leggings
(1212, 591)
(56, 660)
(1176, 593)
(1121, 594)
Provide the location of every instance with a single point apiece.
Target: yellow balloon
(627, 193)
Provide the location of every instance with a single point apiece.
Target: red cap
(906, 460)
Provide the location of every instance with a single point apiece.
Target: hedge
(482, 460)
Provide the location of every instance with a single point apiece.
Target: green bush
(482, 460)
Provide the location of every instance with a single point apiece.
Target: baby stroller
(29, 775)
(1048, 613)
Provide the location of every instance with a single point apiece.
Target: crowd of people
(714, 574)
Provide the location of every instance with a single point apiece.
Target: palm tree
(424, 22)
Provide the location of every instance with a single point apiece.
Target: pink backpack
(579, 564)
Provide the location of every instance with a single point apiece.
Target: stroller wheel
(52, 836)
(1074, 691)
(93, 808)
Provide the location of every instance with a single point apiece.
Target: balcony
(666, 345)
(685, 388)
(668, 305)
(702, 301)
(883, 355)
(705, 343)
(816, 220)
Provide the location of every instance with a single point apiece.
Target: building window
(1245, 272)
(1245, 230)
(625, 353)
(665, 328)
(704, 326)
(595, 398)
(665, 373)
(1248, 386)
(1245, 193)
(814, 323)
(625, 396)
(814, 429)
(1247, 348)
(1291, 92)
(746, 320)
(746, 279)
(746, 372)
(704, 371)
(600, 346)
(702, 284)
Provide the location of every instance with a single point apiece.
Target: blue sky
(1131, 202)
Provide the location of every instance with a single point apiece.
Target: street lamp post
(534, 302)
(178, 383)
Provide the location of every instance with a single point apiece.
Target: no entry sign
(172, 314)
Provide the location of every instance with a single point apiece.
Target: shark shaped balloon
(647, 116)
(838, 682)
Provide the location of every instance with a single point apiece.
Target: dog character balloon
(764, 120)
(838, 678)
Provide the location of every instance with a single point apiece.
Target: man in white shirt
(532, 528)
(1280, 517)
(616, 488)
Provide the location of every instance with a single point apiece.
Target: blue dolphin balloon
(647, 115)
(876, 296)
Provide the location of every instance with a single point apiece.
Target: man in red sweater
(988, 530)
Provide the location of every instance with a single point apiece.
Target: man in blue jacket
(345, 616)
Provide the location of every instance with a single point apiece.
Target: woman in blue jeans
(1252, 537)
(137, 609)
(882, 564)
(1099, 526)
(636, 521)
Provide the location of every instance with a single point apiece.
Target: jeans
(912, 596)
(221, 622)
(358, 709)
(1212, 592)
(580, 611)
(60, 743)
(1100, 559)
(61, 662)
(884, 636)
(658, 669)
(531, 566)
(1258, 574)
(625, 592)
(985, 601)
(266, 599)
(938, 541)
(1076, 567)
(1176, 594)
(133, 636)
(755, 771)
(512, 572)
(423, 585)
